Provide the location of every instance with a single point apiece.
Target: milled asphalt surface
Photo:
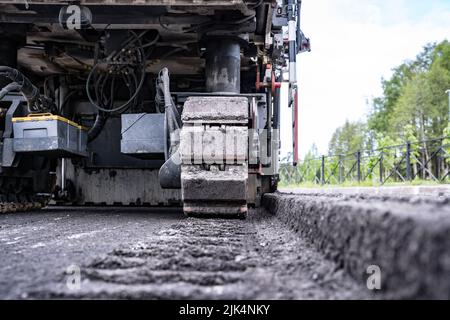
(37, 247)
(403, 233)
(308, 245)
(159, 254)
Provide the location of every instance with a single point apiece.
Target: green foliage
(348, 138)
(447, 135)
(446, 143)
(414, 105)
(413, 108)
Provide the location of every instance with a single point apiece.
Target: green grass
(362, 184)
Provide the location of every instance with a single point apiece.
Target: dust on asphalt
(154, 254)
(37, 247)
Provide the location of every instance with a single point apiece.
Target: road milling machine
(145, 102)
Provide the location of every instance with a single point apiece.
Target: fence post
(341, 169)
(322, 171)
(424, 173)
(381, 167)
(358, 156)
(439, 161)
(408, 162)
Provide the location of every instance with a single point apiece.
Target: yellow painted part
(47, 117)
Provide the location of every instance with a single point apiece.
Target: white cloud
(355, 43)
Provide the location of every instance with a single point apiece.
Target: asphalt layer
(406, 237)
(127, 253)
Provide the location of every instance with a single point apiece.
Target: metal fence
(424, 160)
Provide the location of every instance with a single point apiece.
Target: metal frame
(400, 163)
(226, 3)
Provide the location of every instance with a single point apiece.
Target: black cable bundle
(127, 66)
(37, 102)
(128, 63)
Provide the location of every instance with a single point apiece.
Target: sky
(355, 43)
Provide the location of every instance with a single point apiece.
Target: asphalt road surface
(402, 235)
(159, 254)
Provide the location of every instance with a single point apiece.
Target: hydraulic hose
(13, 86)
(97, 127)
(173, 119)
(36, 101)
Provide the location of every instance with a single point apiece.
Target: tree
(392, 91)
(412, 109)
(349, 138)
(414, 104)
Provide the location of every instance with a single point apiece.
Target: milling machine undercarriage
(150, 104)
